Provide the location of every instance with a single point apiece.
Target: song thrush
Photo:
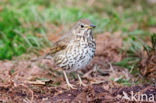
(74, 50)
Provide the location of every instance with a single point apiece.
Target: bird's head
(83, 27)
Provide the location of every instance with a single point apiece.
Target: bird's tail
(46, 56)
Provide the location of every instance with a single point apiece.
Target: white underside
(78, 58)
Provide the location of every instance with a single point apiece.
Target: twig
(111, 67)
(98, 82)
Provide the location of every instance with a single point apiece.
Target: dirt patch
(89, 94)
(22, 80)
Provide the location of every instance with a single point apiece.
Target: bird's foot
(71, 86)
(82, 84)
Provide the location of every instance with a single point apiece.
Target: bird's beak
(91, 26)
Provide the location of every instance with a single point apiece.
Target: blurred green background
(25, 24)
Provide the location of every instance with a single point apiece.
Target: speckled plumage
(76, 49)
(78, 54)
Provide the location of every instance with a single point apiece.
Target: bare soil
(22, 80)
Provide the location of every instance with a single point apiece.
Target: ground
(23, 80)
(123, 69)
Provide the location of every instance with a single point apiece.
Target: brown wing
(61, 44)
(58, 46)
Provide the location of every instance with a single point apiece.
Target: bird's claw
(82, 84)
(71, 86)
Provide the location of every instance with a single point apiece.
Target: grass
(25, 24)
(22, 20)
(140, 60)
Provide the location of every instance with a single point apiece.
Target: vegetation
(24, 24)
(125, 52)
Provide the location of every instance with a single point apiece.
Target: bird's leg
(67, 81)
(80, 81)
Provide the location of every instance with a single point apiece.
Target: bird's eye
(82, 26)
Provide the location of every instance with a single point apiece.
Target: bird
(74, 50)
